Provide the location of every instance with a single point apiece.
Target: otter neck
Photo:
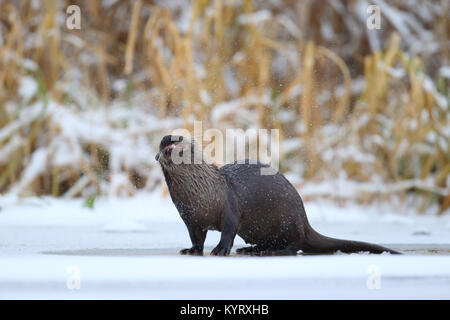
(197, 189)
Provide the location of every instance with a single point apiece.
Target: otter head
(177, 150)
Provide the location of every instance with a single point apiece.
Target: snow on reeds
(81, 111)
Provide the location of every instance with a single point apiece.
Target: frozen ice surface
(128, 248)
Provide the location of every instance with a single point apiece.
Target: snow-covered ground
(127, 248)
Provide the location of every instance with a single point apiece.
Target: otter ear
(158, 155)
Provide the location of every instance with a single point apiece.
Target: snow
(444, 71)
(124, 225)
(203, 278)
(127, 248)
(205, 96)
(290, 145)
(110, 129)
(429, 86)
(343, 188)
(28, 88)
(37, 165)
(33, 112)
(255, 18)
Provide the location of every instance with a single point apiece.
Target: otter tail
(317, 243)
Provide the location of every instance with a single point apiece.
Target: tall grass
(369, 107)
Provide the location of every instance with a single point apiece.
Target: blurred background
(363, 113)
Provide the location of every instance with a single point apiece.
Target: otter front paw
(194, 251)
(221, 250)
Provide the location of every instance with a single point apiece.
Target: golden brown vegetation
(374, 111)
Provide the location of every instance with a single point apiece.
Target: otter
(266, 211)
